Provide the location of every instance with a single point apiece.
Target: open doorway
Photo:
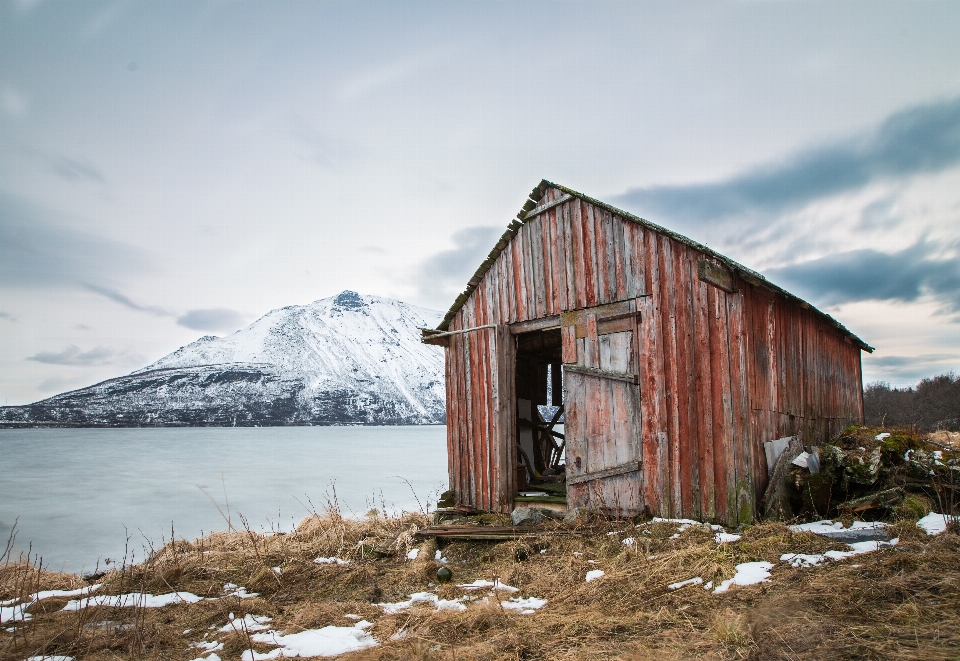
(540, 437)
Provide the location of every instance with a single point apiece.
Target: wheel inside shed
(540, 439)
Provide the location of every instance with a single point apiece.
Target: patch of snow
(412, 554)
(208, 646)
(438, 556)
(827, 526)
(133, 599)
(858, 548)
(933, 523)
(629, 541)
(234, 590)
(696, 580)
(14, 613)
(495, 584)
(423, 598)
(248, 623)
(351, 616)
(748, 573)
(725, 537)
(802, 559)
(328, 641)
(524, 606)
(11, 611)
(880, 437)
(708, 585)
(333, 561)
(49, 657)
(594, 574)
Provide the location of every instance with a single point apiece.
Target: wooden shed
(669, 364)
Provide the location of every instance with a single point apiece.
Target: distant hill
(347, 359)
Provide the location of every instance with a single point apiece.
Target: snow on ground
(684, 523)
(51, 657)
(933, 523)
(328, 641)
(856, 548)
(11, 611)
(331, 561)
(826, 526)
(495, 584)
(724, 537)
(208, 645)
(524, 606)
(424, 599)
(594, 574)
(211, 657)
(234, 590)
(696, 580)
(248, 623)
(135, 599)
(748, 573)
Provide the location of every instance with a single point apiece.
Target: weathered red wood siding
(720, 373)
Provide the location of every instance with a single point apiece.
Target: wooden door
(602, 415)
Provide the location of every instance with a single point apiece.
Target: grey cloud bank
(864, 275)
(917, 140)
(216, 319)
(36, 251)
(72, 355)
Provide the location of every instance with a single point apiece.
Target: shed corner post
(506, 419)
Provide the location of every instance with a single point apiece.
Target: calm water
(75, 490)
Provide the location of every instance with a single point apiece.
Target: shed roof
(744, 273)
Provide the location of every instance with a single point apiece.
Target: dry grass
(902, 603)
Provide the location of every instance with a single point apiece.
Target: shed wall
(720, 373)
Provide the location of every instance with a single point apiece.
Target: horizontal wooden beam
(623, 469)
(536, 211)
(602, 374)
(544, 323)
(428, 335)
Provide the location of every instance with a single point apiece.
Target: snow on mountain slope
(347, 359)
(347, 346)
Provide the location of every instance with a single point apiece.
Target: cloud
(123, 300)
(61, 383)
(7, 316)
(900, 361)
(72, 355)
(907, 370)
(74, 170)
(921, 139)
(863, 275)
(444, 274)
(38, 248)
(213, 319)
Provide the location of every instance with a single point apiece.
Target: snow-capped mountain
(347, 359)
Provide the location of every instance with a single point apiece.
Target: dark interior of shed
(539, 391)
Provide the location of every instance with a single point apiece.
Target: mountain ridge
(345, 359)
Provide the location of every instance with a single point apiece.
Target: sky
(175, 169)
